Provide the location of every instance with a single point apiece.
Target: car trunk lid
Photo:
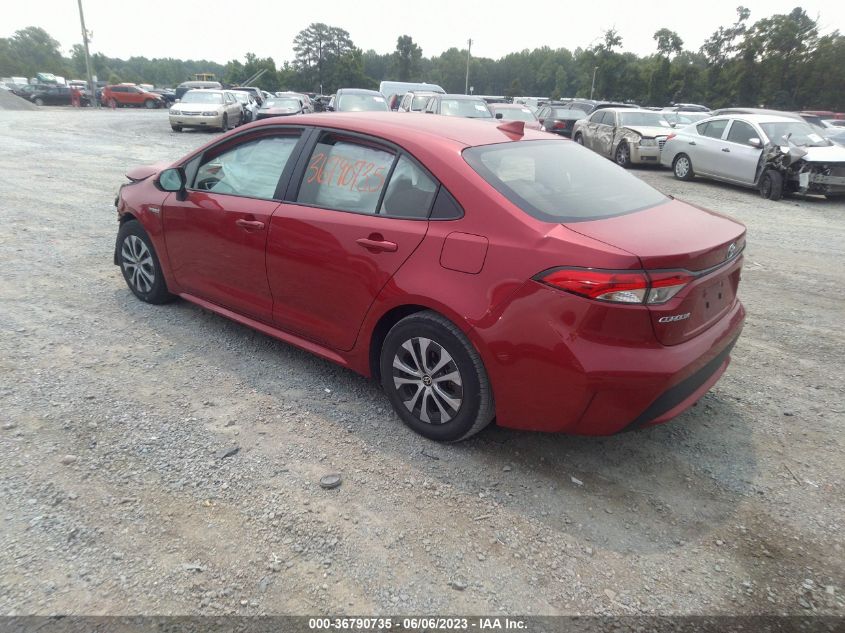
(679, 236)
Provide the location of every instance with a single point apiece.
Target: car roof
(411, 127)
(211, 90)
(509, 106)
(629, 110)
(458, 96)
(359, 91)
(758, 118)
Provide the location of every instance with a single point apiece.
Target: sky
(221, 30)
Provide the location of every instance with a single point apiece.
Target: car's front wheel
(771, 185)
(149, 104)
(176, 128)
(435, 378)
(579, 139)
(38, 101)
(623, 155)
(139, 264)
(224, 126)
(682, 167)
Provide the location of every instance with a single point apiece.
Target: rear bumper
(575, 367)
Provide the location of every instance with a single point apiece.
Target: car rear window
(560, 181)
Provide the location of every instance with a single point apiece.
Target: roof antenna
(513, 128)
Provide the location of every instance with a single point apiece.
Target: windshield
(470, 108)
(202, 96)
(795, 132)
(647, 119)
(685, 118)
(360, 103)
(559, 181)
(516, 114)
(288, 102)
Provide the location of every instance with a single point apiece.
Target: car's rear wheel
(623, 155)
(149, 104)
(771, 185)
(139, 264)
(579, 139)
(38, 101)
(682, 167)
(435, 379)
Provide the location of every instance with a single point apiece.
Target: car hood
(145, 171)
(649, 131)
(832, 154)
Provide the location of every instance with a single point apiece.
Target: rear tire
(435, 379)
(682, 167)
(771, 185)
(139, 264)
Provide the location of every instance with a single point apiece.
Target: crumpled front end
(802, 171)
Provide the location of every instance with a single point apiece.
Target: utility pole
(91, 85)
(469, 48)
(593, 87)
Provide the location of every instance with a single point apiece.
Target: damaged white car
(777, 155)
(625, 135)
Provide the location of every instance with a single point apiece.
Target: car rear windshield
(358, 103)
(283, 103)
(202, 96)
(560, 181)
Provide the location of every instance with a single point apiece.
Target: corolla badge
(731, 250)
(673, 318)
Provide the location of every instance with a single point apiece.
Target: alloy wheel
(138, 264)
(427, 380)
(682, 167)
(622, 154)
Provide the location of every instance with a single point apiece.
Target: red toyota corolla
(477, 271)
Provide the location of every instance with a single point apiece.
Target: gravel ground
(164, 460)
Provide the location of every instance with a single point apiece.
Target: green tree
(319, 50)
(406, 59)
(668, 43)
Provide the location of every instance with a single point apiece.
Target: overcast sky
(220, 30)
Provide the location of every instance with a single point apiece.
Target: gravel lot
(121, 493)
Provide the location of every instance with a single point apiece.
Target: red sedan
(478, 271)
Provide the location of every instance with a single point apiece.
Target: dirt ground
(121, 493)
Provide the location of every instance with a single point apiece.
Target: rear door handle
(692, 142)
(377, 245)
(726, 149)
(250, 225)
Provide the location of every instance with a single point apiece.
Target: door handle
(250, 225)
(377, 245)
(692, 142)
(725, 149)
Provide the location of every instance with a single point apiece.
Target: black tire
(149, 104)
(224, 127)
(139, 264)
(771, 185)
(176, 128)
(682, 167)
(578, 139)
(38, 101)
(622, 155)
(835, 196)
(471, 390)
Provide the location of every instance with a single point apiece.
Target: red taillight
(618, 286)
(559, 125)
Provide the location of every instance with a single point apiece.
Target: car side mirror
(499, 115)
(541, 121)
(755, 142)
(173, 180)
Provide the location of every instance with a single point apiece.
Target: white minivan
(391, 88)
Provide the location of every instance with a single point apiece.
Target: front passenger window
(251, 169)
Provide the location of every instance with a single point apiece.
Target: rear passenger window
(345, 175)
(410, 191)
(713, 129)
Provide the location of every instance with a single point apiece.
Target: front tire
(435, 379)
(224, 126)
(623, 155)
(39, 101)
(149, 104)
(579, 139)
(176, 128)
(771, 185)
(682, 167)
(139, 264)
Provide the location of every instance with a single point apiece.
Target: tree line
(780, 61)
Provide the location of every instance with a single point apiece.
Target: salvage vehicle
(477, 270)
(123, 95)
(284, 105)
(357, 100)
(183, 87)
(465, 106)
(215, 109)
(414, 101)
(625, 135)
(515, 112)
(390, 89)
(558, 119)
(774, 154)
(250, 107)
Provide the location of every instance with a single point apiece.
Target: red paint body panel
(556, 361)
